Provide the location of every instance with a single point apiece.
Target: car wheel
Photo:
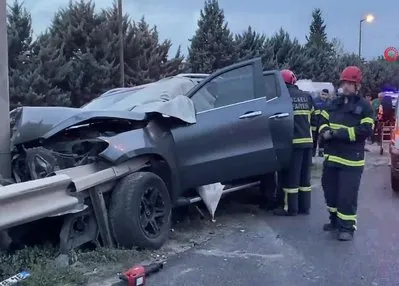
(140, 211)
(394, 184)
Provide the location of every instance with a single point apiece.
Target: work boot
(329, 227)
(282, 212)
(345, 236)
(321, 152)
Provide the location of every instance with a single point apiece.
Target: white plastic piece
(210, 195)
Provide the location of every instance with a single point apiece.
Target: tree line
(76, 58)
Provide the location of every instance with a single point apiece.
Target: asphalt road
(263, 250)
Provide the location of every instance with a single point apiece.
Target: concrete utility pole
(121, 52)
(5, 159)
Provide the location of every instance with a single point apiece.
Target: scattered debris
(135, 276)
(211, 195)
(15, 279)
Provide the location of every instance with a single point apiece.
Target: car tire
(140, 211)
(394, 184)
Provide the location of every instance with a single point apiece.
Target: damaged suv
(231, 126)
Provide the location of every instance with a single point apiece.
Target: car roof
(169, 87)
(194, 77)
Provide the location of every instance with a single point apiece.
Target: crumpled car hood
(31, 123)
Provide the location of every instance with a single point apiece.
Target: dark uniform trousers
(341, 187)
(315, 136)
(296, 182)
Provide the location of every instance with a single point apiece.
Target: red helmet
(288, 76)
(351, 74)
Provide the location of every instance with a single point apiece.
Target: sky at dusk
(177, 19)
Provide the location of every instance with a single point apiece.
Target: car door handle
(279, 115)
(251, 114)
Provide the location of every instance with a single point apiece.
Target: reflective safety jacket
(350, 118)
(319, 106)
(303, 106)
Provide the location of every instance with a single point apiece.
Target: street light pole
(121, 45)
(360, 37)
(5, 158)
(369, 18)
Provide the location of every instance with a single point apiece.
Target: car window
(228, 88)
(270, 86)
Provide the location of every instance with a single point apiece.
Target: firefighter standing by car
(344, 126)
(296, 179)
(320, 103)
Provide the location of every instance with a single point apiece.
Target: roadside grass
(40, 263)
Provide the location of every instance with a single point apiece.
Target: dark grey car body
(234, 141)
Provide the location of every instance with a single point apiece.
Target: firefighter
(296, 179)
(344, 126)
(320, 104)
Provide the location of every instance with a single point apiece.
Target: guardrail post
(101, 214)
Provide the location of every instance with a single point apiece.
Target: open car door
(281, 123)
(232, 136)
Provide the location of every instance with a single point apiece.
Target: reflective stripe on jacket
(350, 118)
(303, 106)
(319, 105)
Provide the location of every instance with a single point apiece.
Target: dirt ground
(192, 226)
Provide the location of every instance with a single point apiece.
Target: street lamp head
(369, 18)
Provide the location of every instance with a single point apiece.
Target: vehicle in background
(175, 135)
(314, 87)
(394, 152)
(394, 95)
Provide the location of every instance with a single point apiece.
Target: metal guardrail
(59, 194)
(33, 200)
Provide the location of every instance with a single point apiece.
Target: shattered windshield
(162, 90)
